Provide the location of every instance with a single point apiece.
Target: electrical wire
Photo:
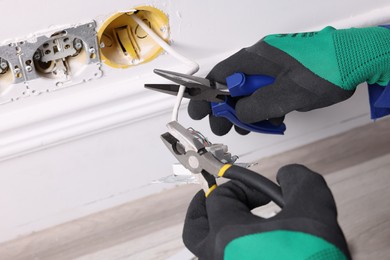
(190, 63)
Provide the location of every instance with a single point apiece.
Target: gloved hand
(312, 70)
(221, 226)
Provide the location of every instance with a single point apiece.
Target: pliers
(222, 97)
(200, 156)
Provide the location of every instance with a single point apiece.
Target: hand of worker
(312, 70)
(222, 226)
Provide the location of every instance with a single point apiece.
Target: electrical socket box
(123, 43)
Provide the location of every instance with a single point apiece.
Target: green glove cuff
(282, 244)
(345, 58)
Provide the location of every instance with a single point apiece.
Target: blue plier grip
(226, 109)
(239, 85)
(379, 97)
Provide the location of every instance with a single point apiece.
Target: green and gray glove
(222, 226)
(312, 70)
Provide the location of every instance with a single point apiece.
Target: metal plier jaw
(209, 161)
(195, 152)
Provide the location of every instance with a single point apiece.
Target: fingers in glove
(219, 125)
(196, 226)
(276, 121)
(241, 131)
(273, 101)
(306, 193)
(198, 109)
(231, 203)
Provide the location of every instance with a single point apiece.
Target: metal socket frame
(85, 32)
(29, 81)
(15, 87)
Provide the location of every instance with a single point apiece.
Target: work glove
(222, 226)
(312, 70)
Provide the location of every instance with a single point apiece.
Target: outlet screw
(102, 45)
(3, 65)
(29, 68)
(92, 50)
(17, 70)
(77, 44)
(37, 56)
(163, 29)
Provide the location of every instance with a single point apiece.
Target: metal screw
(17, 70)
(163, 29)
(3, 65)
(102, 45)
(37, 56)
(77, 44)
(29, 68)
(92, 50)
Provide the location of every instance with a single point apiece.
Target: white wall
(93, 146)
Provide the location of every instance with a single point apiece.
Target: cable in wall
(190, 63)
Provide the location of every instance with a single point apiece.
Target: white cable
(192, 64)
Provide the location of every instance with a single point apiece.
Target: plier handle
(200, 156)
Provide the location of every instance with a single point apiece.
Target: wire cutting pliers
(200, 156)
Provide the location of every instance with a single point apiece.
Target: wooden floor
(356, 165)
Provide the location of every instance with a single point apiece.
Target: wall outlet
(49, 61)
